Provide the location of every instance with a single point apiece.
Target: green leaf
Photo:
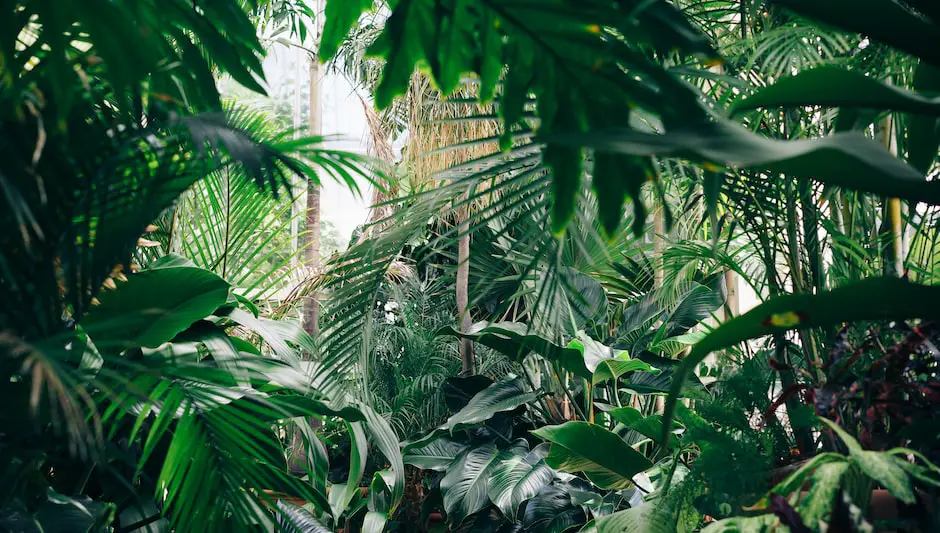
(880, 298)
(882, 467)
(744, 524)
(342, 495)
(491, 66)
(889, 22)
(436, 455)
(826, 481)
(455, 46)
(603, 362)
(153, 306)
(603, 456)
(170, 260)
(551, 511)
(641, 518)
(517, 339)
(340, 17)
(64, 514)
(797, 480)
(649, 426)
(504, 395)
(848, 160)
(387, 442)
(832, 86)
(518, 478)
(295, 519)
(662, 382)
(923, 136)
(466, 483)
(374, 522)
(409, 33)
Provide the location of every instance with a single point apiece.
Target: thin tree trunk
(312, 235)
(296, 189)
(659, 271)
(298, 463)
(893, 228)
(463, 290)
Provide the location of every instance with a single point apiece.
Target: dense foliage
(540, 328)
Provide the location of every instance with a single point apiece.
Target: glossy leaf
(832, 86)
(848, 160)
(143, 312)
(551, 511)
(517, 478)
(885, 21)
(466, 483)
(505, 395)
(603, 456)
(340, 17)
(436, 455)
(517, 339)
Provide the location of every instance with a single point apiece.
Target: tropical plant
(137, 407)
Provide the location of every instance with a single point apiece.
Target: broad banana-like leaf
(849, 160)
(436, 455)
(295, 519)
(832, 86)
(650, 426)
(517, 478)
(517, 339)
(883, 20)
(602, 362)
(505, 395)
(603, 456)
(466, 483)
(551, 511)
(153, 306)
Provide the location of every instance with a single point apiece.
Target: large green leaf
(517, 339)
(341, 495)
(649, 426)
(551, 511)
(603, 456)
(466, 483)
(504, 395)
(64, 514)
(826, 482)
(744, 524)
(880, 298)
(517, 478)
(883, 20)
(602, 362)
(834, 86)
(385, 439)
(662, 382)
(295, 519)
(340, 17)
(882, 467)
(923, 137)
(436, 455)
(569, 300)
(153, 306)
(848, 160)
(641, 518)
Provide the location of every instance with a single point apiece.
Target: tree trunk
(463, 289)
(893, 227)
(298, 462)
(312, 235)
